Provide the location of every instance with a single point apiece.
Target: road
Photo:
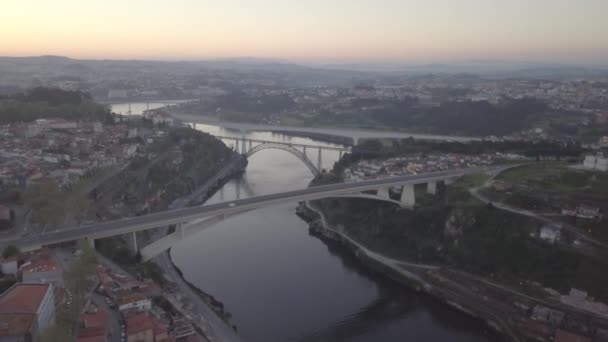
(573, 229)
(175, 216)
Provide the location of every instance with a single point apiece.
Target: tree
(9, 251)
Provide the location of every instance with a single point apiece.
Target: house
(41, 269)
(9, 265)
(547, 315)
(158, 117)
(133, 301)
(587, 212)
(140, 328)
(96, 326)
(550, 233)
(596, 162)
(25, 311)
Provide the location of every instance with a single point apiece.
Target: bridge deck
(175, 216)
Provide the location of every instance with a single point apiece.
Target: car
(232, 205)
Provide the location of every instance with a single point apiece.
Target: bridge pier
(134, 237)
(383, 193)
(243, 146)
(319, 161)
(408, 196)
(431, 188)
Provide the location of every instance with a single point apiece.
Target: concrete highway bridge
(186, 218)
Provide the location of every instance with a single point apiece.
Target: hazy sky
(338, 30)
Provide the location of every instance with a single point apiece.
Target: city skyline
(323, 31)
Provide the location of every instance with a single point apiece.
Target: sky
(563, 31)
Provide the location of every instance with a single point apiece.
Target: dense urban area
(522, 244)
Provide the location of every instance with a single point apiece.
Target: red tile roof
(138, 322)
(18, 307)
(40, 265)
(564, 336)
(96, 319)
(16, 324)
(23, 298)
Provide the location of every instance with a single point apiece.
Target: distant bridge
(249, 147)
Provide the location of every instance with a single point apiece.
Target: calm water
(281, 284)
(137, 108)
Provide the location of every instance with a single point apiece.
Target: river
(282, 284)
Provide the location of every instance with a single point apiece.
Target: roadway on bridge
(159, 219)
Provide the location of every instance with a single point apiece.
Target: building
(140, 328)
(143, 328)
(547, 315)
(564, 336)
(596, 162)
(158, 117)
(9, 265)
(96, 326)
(133, 301)
(41, 269)
(550, 233)
(25, 311)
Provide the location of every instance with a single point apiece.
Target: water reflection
(282, 284)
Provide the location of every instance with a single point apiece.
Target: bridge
(181, 217)
(352, 134)
(249, 147)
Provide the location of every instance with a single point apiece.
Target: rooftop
(138, 322)
(22, 298)
(564, 336)
(16, 324)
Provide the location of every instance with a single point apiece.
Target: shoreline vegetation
(319, 228)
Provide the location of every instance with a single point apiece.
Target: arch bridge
(249, 147)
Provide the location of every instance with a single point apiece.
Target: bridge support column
(340, 154)
(91, 242)
(179, 228)
(431, 188)
(408, 196)
(250, 144)
(243, 146)
(134, 237)
(383, 193)
(319, 161)
(304, 150)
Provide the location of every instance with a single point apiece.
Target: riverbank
(414, 276)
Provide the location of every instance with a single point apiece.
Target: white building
(596, 162)
(135, 301)
(550, 233)
(8, 265)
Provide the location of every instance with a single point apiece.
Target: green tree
(10, 251)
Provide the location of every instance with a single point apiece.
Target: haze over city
(304, 171)
(558, 31)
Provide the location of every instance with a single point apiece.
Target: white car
(232, 205)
